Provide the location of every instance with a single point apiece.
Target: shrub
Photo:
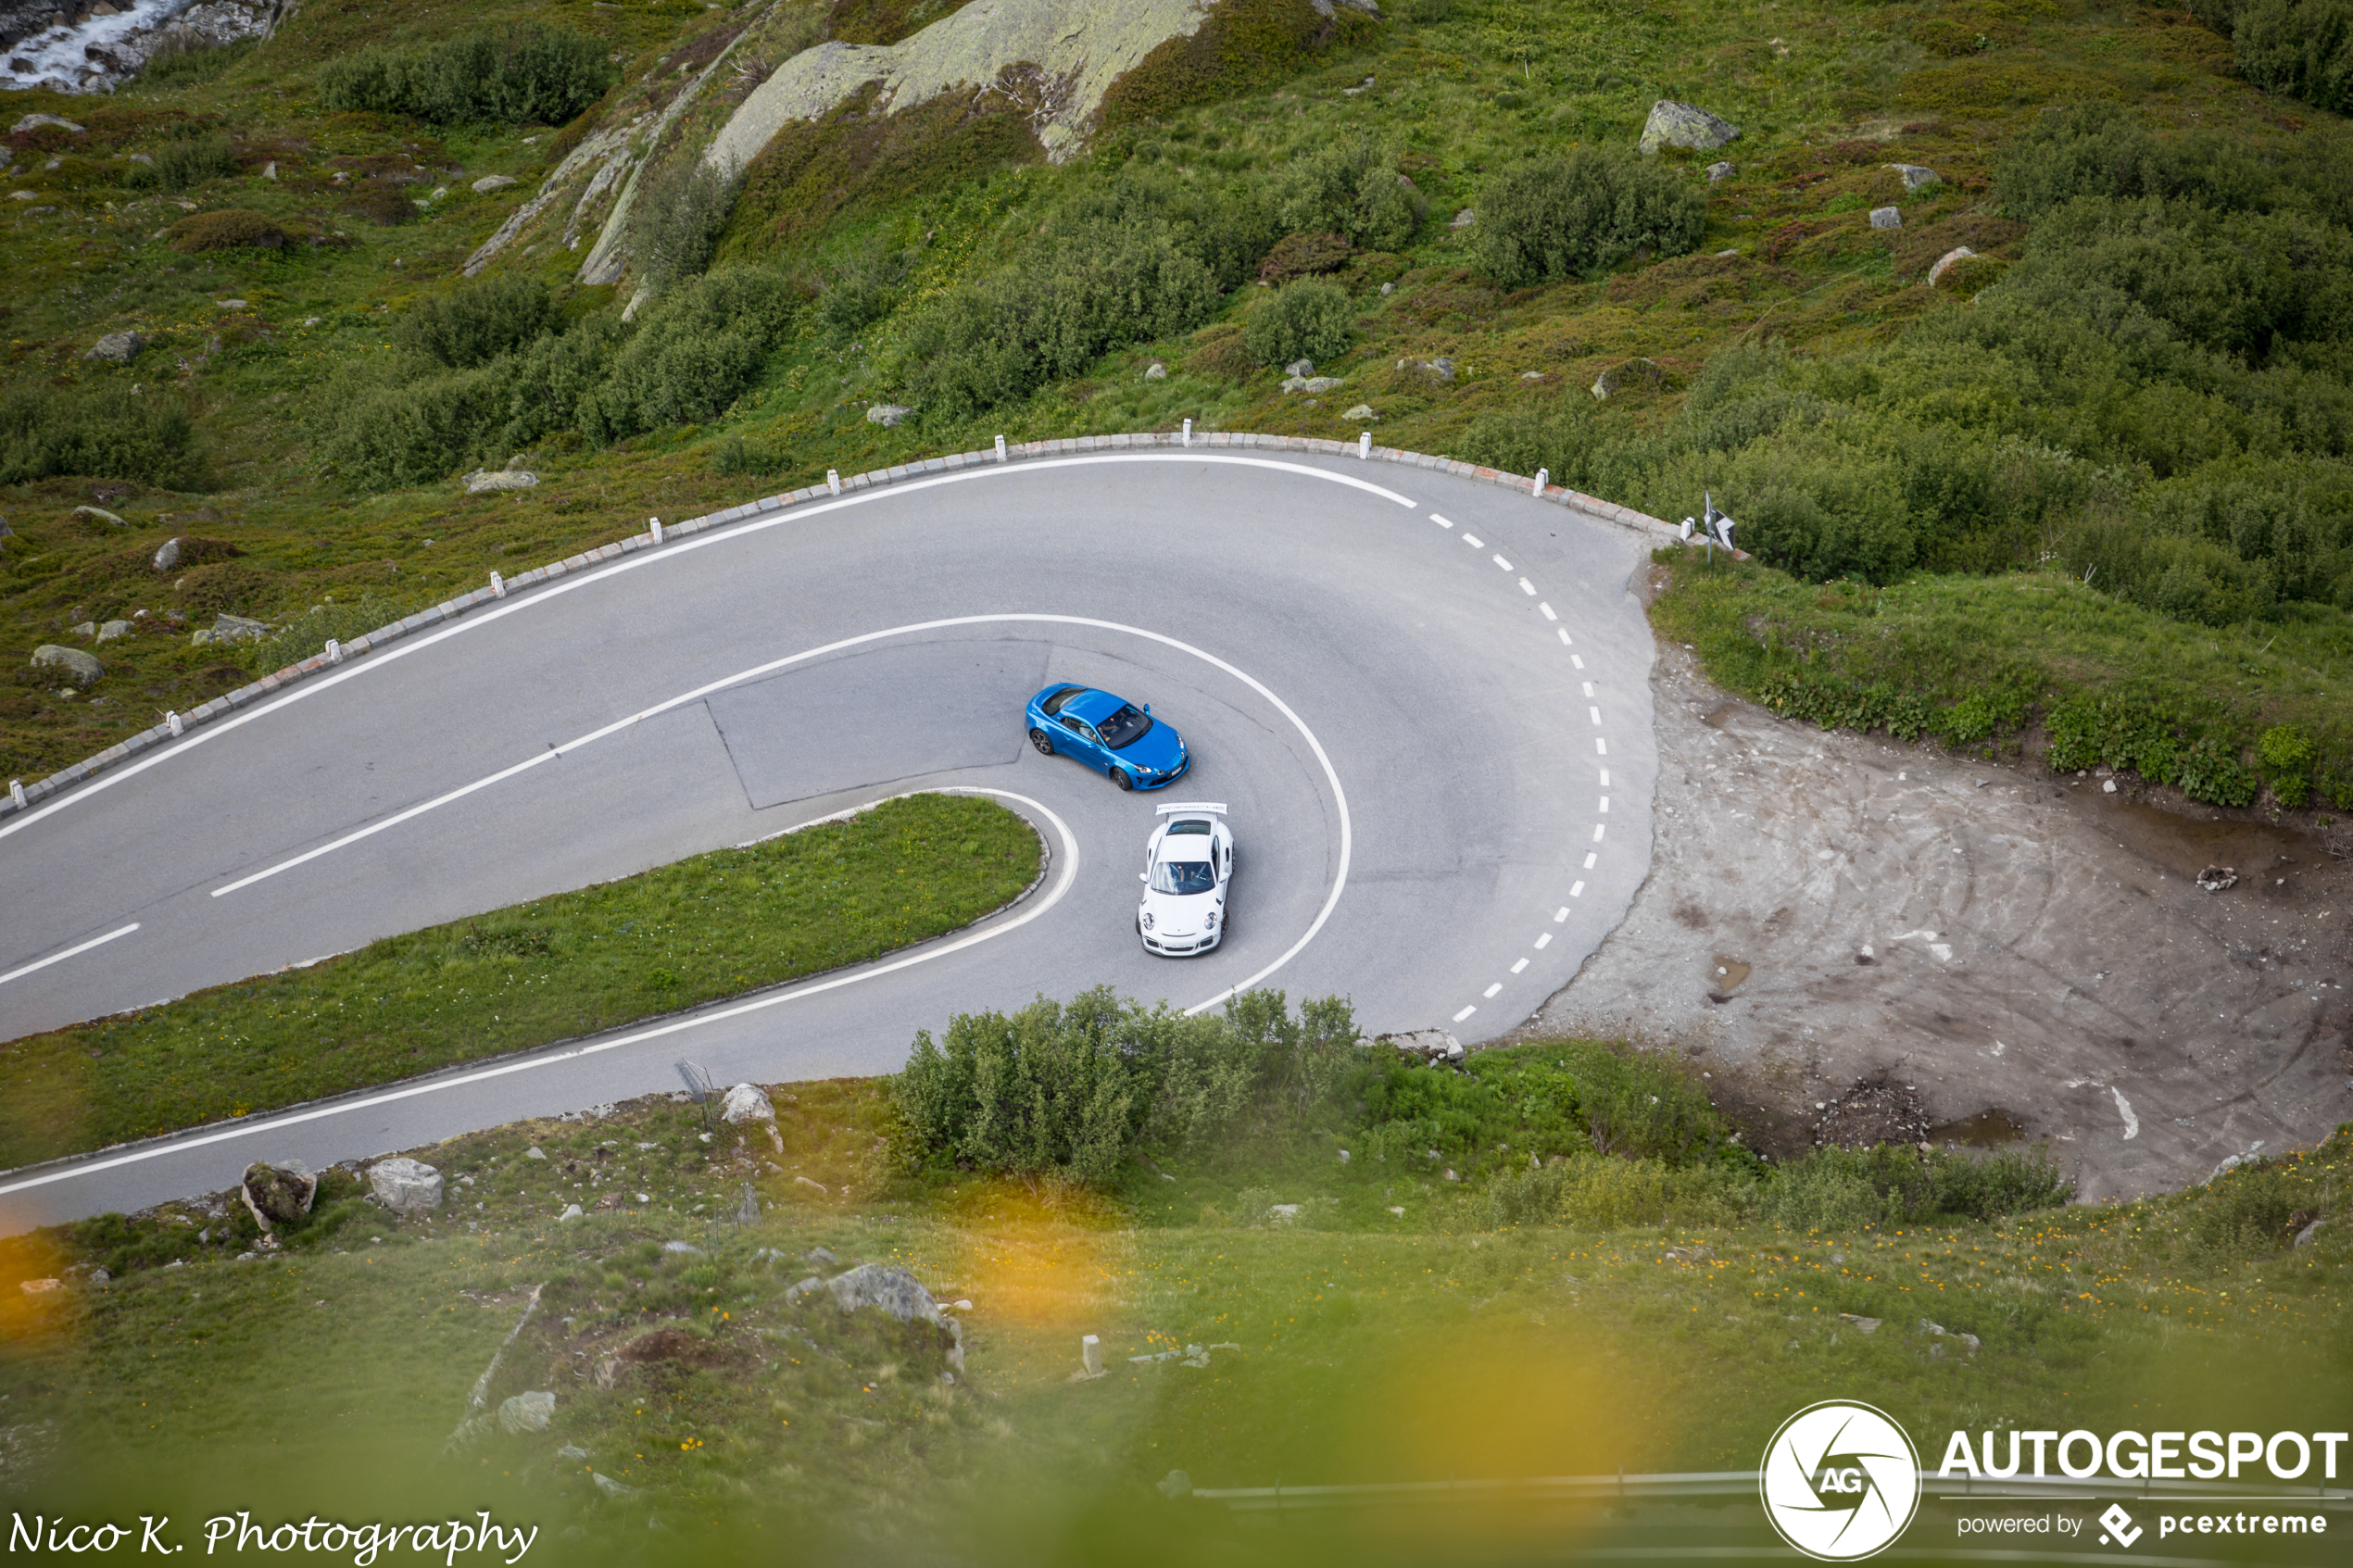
(676, 218)
(1304, 255)
(103, 431)
(182, 58)
(2287, 755)
(525, 74)
(1564, 217)
(180, 164)
(2303, 48)
(478, 321)
(1308, 319)
(230, 228)
(1351, 186)
(860, 292)
(232, 586)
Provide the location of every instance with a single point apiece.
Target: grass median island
(708, 927)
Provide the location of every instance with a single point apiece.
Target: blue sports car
(1109, 734)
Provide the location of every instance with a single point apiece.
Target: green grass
(1426, 1347)
(711, 926)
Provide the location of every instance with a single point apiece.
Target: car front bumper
(1181, 946)
(1165, 779)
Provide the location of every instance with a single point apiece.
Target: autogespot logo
(1840, 1481)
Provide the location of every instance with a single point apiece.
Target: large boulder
(887, 415)
(278, 1195)
(499, 478)
(228, 628)
(490, 183)
(1915, 175)
(1944, 262)
(98, 514)
(886, 1287)
(168, 558)
(528, 1412)
(35, 121)
(117, 349)
(1685, 125)
(405, 1185)
(745, 1102)
(82, 669)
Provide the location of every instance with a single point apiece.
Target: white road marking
(677, 549)
(1597, 715)
(1589, 685)
(1527, 587)
(1502, 562)
(1466, 1012)
(1490, 992)
(1474, 542)
(1601, 747)
(1440, 520)
(70, 952)
(1577, 660)
(1604, 778)
(1543, 940)
(1564, 631)
(1517, 968)
(1547, 609)
(1598, 829)
(1589, 858)
(1604, 803)
(1560, 914)
(1577, 890)
(524, 1065)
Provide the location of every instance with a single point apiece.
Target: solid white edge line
(70, 952)
(595, 1048)
(678, 548)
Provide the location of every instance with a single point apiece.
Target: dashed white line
(1601, 747)
(1596, 713)
(1604, 778)
(1605, 803)
(70, 952)
(1527, 587)
(1599, 828)
(1547, 609)
(1562, 913)
(1564, 631)
(1589, 858)
(1466, 1012)
(1517, 968)
(1440, 520)
(1544, 940)
(1474, 542)
(1577, 890)
(1490, 992)
(1502, 562)
(1589, 688)
(1577, 660)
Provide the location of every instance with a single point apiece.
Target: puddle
(1715, 717)
(2259, 852)
(1724, 977)
(1987, 1129)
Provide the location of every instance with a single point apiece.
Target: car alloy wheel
(1037, 738)
(1119, 776)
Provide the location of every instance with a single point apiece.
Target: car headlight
(1212, 920)
(1148, 921)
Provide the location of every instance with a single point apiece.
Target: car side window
(1072, 725)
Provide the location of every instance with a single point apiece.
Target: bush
(859, 292)
(525, 74)
(2303, 48)
(230, 228)
(185, 59)
(2287, 755)
(478, 321)
(1304, 255)
(1563, 218)
(102, 431)
(1064, 1093)
(1354, 187)
(1308, 319)
(676, 218)
(180, 164)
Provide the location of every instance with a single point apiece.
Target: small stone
(405, 1185)
(745, 1102)
(1970, 1341)
(1175, 1484)
(482, 480)
(1282, 1213)
(1863, 1325)
(887, 415)
(37, 1287)
(1958, 253)
(686, 1246)
(230, 303)
(2108, 787)
(168, 558)
(1397, 1210)
(535, 1152)
(1300, 369)
(1388, 289)
(2214, 878)
(80, 668)
(490, 183)
(1718, 171)
(227, 628)
(1343, 1157)
(111, 630)
(821, 1256)
(572, 1211)
(97, 514)
(1362, 411)
(117, 349)
(1155, 372)
(270, 169)
(529, 1412)
(609, 1487)
(1915, 175)
(1887, 218)
(35, 121)
(571, 1453)
(101, 1276)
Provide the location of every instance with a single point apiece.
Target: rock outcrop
(1685, 125)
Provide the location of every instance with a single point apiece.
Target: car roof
(1094, 707)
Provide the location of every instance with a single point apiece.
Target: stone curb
(449, 609)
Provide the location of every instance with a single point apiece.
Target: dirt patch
(1873, 1112)
(1992, 938)
(673, 1344)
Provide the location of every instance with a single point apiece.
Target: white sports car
(1188, 861)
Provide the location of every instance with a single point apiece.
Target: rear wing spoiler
(1213, 808)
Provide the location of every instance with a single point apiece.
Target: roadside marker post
(334, 651)
(498, 586)
(1000, 448)
(833, 481)
(1365, 445)
(173, 719)
(16, 792)
(1188, 432)
(656, 528)
(1541, 475)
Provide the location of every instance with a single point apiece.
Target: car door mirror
(1143, 877)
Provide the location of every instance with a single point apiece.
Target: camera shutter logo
(1840, 1481)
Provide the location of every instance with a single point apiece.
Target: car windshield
(1183, 876)
(1125, 726)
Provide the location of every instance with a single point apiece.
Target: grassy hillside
(2140, 378)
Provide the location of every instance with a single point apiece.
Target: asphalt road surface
(1425, 702)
